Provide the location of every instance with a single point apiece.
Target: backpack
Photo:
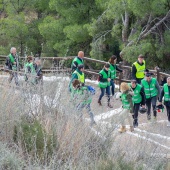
(7, 63)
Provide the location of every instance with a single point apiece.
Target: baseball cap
(148, 74)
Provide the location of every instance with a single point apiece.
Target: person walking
(138, 69)
(30, 72)
(152, 91)
(82, 98)
(138, 100)
(165, 92)
(127, 104)
(104, 84)
(113, 68)
(77, 74)
(77, 61)
(13, 65)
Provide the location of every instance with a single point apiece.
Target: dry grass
(77, 145)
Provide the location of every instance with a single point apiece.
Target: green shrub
(34, 139)
(9, 160)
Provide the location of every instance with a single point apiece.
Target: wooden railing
(94, 73)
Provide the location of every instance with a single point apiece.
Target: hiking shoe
(168, 124)
(154, 119)
(109, 105)
(93, 123)
(99, 101)
(149, 117)
(131, 128)
(135, 124)
(122, 129)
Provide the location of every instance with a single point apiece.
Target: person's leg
(88, 108)
(108, 96)
(168, 114)
(10, 77)
(148, 104)
(79, 109)
(122, 117)
(130, 120)
(16, 78)
(153, 101)
(112, 87)
(101, 95)
(135, 117)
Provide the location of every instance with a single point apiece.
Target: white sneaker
(168, 124)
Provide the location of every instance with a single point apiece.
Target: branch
(155, 26)
(125, 28)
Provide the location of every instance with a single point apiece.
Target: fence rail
(91, 71)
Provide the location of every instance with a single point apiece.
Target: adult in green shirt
(165, 92)
(13, 65)
(104, 84)
(77, 61)
(152, 91)
(138, 100)
(113, 69)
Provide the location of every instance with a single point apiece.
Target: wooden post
(120, 74)
(158, 75)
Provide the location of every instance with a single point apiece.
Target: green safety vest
(136, 98)
(113, 71)
(11, 58)
(150, 89)
(125, 103)
(166, 93)
(83, 95)
(140, 69)
(105, 76)
(81, 78)
(79, 62)
(31, 66)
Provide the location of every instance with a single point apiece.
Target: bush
(9, 160)
(33, 138)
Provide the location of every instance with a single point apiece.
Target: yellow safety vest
(80, 77)
(139, 69)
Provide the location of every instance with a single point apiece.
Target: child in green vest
(127, 104)
(82, 98)
(30, 72)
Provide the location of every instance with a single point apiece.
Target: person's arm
(118, 69)
(74, 65)
(161, 95)
(158, 88)
(134, 72)
(129, 99)
(142, 93)
(101, 79)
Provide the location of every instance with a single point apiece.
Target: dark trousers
(168, 112)
(152, 101)
(112, 84)
(107, 93)
(135, 112)
(15, 76)
(139, 80)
